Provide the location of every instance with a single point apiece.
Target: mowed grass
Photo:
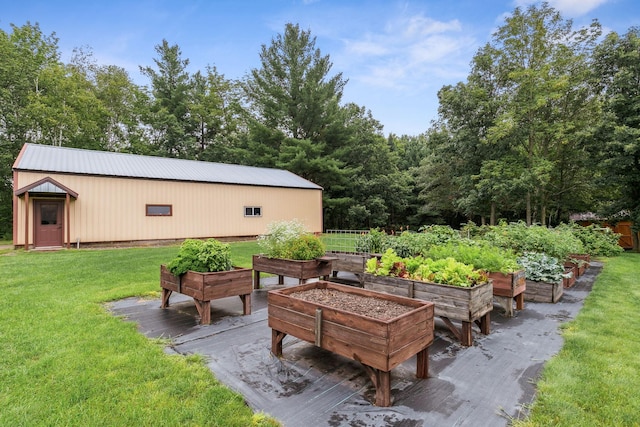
(65, 360)
(595, 379)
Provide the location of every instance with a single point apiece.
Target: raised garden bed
(204, 287)
(349, 262)
(543, 291)
(332, 323)
(570, 280)
(467, 305)
(301, 270)
(507, 288)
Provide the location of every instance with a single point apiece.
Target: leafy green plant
(201, 256)
(446, 271)
(305, 247)
(480, 255)
(373, 242)
(520, 238)
(596, 240)
(289, 240)
(541, 267)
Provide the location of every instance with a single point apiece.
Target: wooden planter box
(467, 305)
(509, 287)
(204, 287)
(301, 270)
(579, 269)
(380, 345)
(568, 282)
(350, 262)
(543, 291)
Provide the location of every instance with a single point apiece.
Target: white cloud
(406, 51)
(420, 25)
(365, 47)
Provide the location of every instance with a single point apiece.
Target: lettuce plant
(446, 271)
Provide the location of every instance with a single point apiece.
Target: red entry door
(48, 229)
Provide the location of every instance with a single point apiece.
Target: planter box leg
(280, 280)
(506, 303)
(422, 363)
(246, 304)
(256, 279)
(519, 301)
(485, 323)
(204, 309)
(466, 334)
(382, 382)
(166, 294)
(276, 342)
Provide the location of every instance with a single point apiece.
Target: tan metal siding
(113, 209)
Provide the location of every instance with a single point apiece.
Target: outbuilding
(76, 197)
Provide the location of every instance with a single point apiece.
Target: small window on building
(159, 210)
(252, 211)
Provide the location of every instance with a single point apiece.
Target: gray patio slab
(487, 384)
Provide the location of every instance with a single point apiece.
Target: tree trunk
(543, 215)
(528, 208)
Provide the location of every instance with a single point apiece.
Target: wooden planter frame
(301, 270)
(568, 282)
(350, 262)
(578, 270)
(507, 288)
(543, 291)
(204, 287)
(379, 345)
(467, 305)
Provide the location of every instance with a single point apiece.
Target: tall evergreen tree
(170, 117)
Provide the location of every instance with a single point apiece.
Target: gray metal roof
(47, 158)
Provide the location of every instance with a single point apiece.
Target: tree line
(546, 124)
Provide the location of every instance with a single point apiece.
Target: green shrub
(201, 256)
(289, 240)
(520, 238)
(373, 242)
(407, 243)
(596, 240)
(304, 247)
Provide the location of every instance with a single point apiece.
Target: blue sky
(396, 55)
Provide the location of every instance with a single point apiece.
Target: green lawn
(595, 379)
(65, 360)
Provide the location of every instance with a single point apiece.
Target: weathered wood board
(301, 270)
(451, 302)
(543, 291)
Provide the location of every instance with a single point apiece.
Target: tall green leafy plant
(596, 240)
(479, 254)
(201, 256)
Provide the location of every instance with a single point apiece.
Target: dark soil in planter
(366, 306)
